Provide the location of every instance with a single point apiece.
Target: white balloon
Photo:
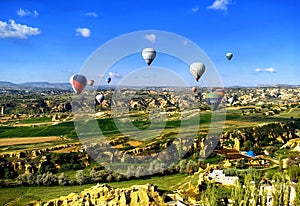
(229, 55)
(149, 55)
(197, 69)
(99, 98)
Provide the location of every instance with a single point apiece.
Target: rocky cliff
(104, 195)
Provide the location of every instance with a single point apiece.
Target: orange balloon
(91, 82)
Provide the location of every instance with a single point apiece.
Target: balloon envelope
(91, 82)
(194, 89)
(220, 92)
(78, 82)
(99, 98)
(108, 80)
(213, 100)
(197, 69)
(149, 55)
(229, 56)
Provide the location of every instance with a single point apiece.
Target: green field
(108, 126)
(65, 128)
(29, 121)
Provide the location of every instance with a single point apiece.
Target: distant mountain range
(276, 85)
(35, 85)
(67, 86)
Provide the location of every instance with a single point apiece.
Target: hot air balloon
(99, 98)
(91, 82)
(108, 80)
(229, 56)
(213, 100)
(194, 89)
(78, 82)
(220, 92)
(233, 99)
(149, 55)
(197, 69)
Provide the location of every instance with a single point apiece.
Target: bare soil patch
(239, 123)
(67, 150)
(27, 140)
(134, 143)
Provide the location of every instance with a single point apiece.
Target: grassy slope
(37, 131)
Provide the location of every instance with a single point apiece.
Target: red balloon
(78, 82)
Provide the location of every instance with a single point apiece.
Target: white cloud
(22, 12)
(195, 9)
(270, 70)
(151, 37)
(85, 32)
(14, 30)
(220, 5)
(114, 75)
(91, 14)
(35, 13)
(185, 42)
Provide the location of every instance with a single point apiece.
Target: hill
(35, 85)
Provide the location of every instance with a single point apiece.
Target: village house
(220, 177)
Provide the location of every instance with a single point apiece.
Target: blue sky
(50, 40)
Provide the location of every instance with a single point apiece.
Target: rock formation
(104, 195)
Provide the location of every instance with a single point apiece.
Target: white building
(219, 176)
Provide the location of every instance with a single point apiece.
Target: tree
(191, 167)
(297, 198)
(63, 179)
(130, 171)
(229, 143)
(237, 193)
(241, 164)
(278, 192)
(293, 171)
(109, 178)
(141, 171)
(230, 171)
(26, 179)
(247, 145)
(80, 178)
(280, 168)
(49, 179)
(182, 165)
(95, 175)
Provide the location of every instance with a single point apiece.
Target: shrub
(80, 178)
(63, 179)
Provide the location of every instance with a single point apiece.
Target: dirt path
(239, 123)
(27, 140)
(34, 124)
